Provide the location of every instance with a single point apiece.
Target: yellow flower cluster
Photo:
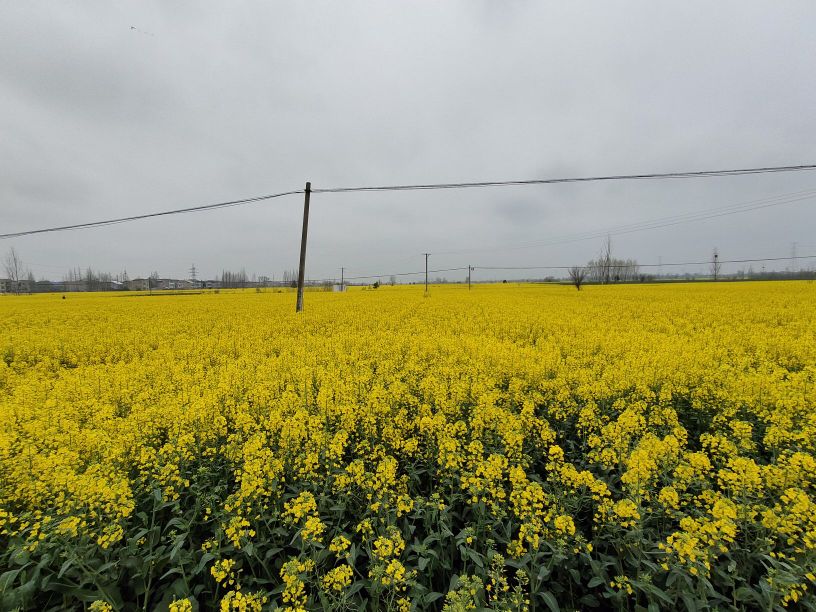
(339, 545)
(303, 510)
(293, 574)
(338, 578)
(222, 571)
(390, 545)
(181, 605)
(678, 416)
(238, 601)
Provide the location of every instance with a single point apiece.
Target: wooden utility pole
(342, 279)
(470, 269)
(302, 270)
(426, 273)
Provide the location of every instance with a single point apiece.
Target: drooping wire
(404, 273)
(648, 265)
(178, 211)
(191, 209)
(511, 268)
(617, 177)
(640, 226)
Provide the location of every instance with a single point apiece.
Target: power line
(191, 209)
(510, 268)
(618, 177)
(178, 211)
(649, 265)
(639, 226)
(561, 267)
(404, 273)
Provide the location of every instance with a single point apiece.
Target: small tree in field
(14, 269)
(715, 265)
(577, 275)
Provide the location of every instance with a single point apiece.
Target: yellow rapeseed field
(513, 447)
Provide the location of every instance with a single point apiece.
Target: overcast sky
(205, 102)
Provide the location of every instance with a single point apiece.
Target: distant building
(139, 284)
(162, 284)
(10, 286)
(172, 283)
(75, 285)
(111, 285)
(47, 286)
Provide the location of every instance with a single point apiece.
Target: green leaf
(170, 572)
(205, 559)
(551, 602)
(359, 584)
(589, 601)
(596, 581)
(745, 594)
(657, 592)
(691, 603)
(476, 558)
(7, 579)
(20, 557)
(65, 567)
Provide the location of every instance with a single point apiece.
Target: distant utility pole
(342, 279)
(470, 269)
(302, 270)
(426, 272)
(715, 265)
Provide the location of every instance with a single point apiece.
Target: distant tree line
(89, 279)
(234, 280)
(290, 278)
(613, 270)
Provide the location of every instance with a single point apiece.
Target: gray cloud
(99, 120)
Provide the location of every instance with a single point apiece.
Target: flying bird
(134, 28)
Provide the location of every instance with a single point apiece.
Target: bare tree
(577, 275)
(91, 280)
(230, 279)
(14, 269)
(608, 269)
(290, 278)
(153, 281)
(715, 264)
(605, 260)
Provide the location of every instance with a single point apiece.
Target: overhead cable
(619, 177)
(649, 265)
(178, 211)
(584, 179)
